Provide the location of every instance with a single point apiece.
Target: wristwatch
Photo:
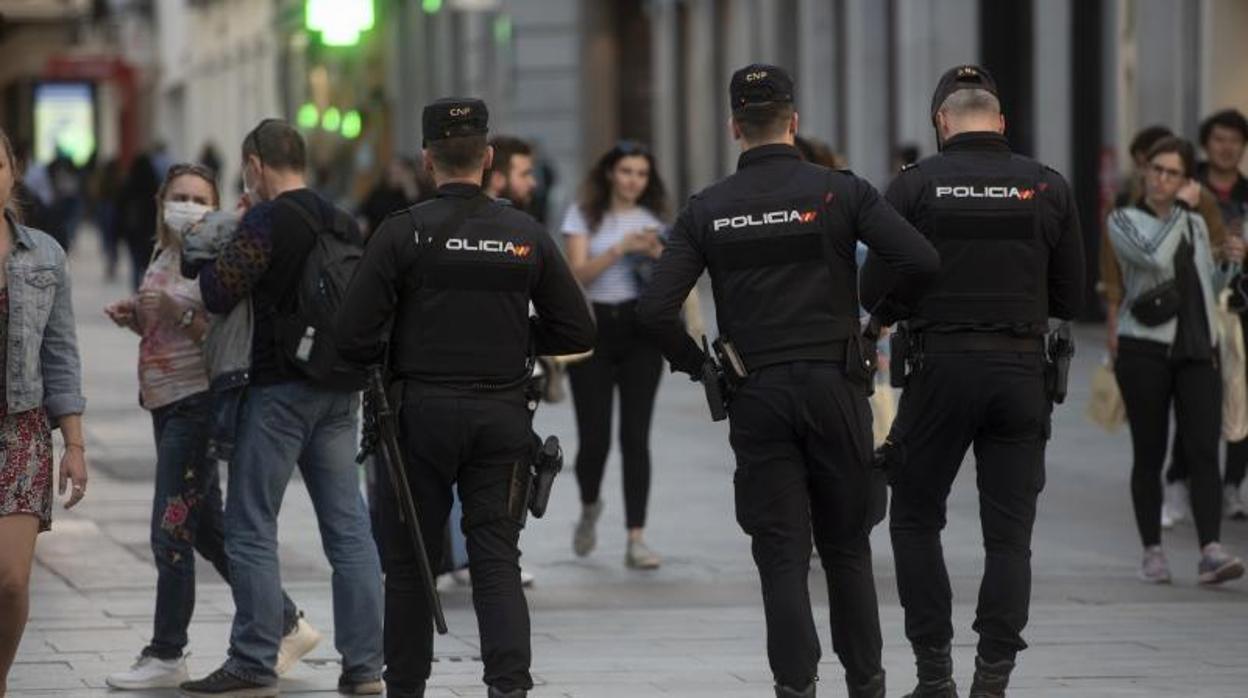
(188, 317)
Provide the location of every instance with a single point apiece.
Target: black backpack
(305, 332)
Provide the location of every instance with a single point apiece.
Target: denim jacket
(1145, 249)
(43, 368)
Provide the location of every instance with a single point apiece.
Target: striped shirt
(618, 283)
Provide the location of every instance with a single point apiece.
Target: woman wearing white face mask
(169, 315)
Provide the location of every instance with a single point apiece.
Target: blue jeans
(186, 517)
(281, 426)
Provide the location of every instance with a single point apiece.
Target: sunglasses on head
(631, 147)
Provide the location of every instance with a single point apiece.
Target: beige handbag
(1234, 389)
(883, 411)
(1105, 407)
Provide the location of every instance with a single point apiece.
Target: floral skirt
(26, 465)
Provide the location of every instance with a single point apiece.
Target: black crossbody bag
(1160, 304)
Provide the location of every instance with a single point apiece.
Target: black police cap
(452, 117)
(962, 77)
(759, 84)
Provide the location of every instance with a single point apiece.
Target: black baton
(398, 478)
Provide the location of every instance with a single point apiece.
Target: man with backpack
(292, 258)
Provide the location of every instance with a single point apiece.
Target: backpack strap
(317, 225)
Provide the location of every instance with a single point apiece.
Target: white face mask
(181, 215)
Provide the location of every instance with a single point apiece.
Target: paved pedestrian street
(692, 628)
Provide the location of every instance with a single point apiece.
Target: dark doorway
(1087, 105)
(1006, 50)
(636, 92)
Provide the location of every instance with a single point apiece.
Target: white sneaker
(297, 643)
(150, 672)
(463, 578)
(526, 578)
(1176, 504)
(1233, 503)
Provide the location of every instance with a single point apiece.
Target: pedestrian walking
(1167, 354)
(972, 356)
(1224, 137)
(779, 239)
(187, 513)
(454, 278)
(42, 389)
(293, 248)
(1175, 506)
(612, 237)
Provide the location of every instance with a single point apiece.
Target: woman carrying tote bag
(1167, 354)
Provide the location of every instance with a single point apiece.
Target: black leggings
(625, 359)
(1150, 382)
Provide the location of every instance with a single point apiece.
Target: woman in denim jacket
(1172, 360)
(168, 313)
(42, 385)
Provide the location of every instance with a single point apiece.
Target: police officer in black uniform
(1011, 258)
(445, 288)
(779, 238)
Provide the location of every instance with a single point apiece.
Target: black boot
(786, 692)
(518, 693)
(991, 678)
(873, 688)
(935, 671)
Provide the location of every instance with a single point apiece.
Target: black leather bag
(1158, 305)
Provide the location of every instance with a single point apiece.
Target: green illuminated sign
(332, 120)
(308, 116)
(340, 22)
(431, 7)
(352, 124)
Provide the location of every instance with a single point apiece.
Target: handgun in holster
(533, 478)
(723, 372)
(862, 355)
(1059, 350)
(903, 356)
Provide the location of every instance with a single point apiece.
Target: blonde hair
(11, 206)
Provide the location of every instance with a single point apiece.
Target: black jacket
(458, 300)
(780, 239)
(1008, 235)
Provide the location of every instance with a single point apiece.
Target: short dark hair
(1174, 144)
(1227, 118)
(459, 154)
(277, 144)
(1147, 137)
(505, 148)
(763, 122)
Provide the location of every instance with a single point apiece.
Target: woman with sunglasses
(1167, 353)
(187, 515)
(612, 237)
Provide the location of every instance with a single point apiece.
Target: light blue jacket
(43, 366)
(1145, 246)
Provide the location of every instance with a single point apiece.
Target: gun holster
(904, 356)
(1059, 349)
(862, 356)
(547, 463)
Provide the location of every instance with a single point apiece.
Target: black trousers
(1151, 382)
(996, 404)
(625, 360)
(471, 441)
(1236, 451)
(802, 437)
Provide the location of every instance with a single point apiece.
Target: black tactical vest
(467, 298)
(783, 269)
(984, 220)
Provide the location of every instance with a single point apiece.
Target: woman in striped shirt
(613, 236)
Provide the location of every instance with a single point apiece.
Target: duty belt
(947, 342)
